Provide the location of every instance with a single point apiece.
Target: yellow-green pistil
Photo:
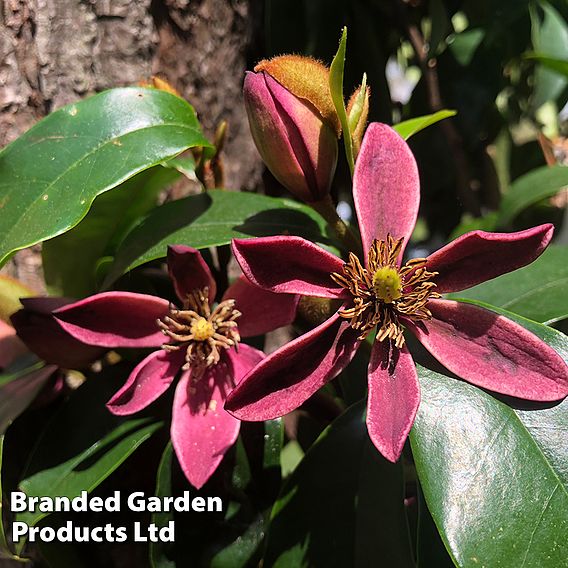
(383, 291)
(202, 332)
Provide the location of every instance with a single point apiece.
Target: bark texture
(53, 52)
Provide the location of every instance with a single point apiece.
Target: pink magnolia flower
(479, 346)
(201, 340)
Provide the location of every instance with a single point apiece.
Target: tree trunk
(53, 52)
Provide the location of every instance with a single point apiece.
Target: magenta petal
(243, 360)
(148, 381)
(262, 311)
(479, 256)
(43, 335)
(189, 272)
(394, 396)
(201, 430)
(285, 379)
(492, 352)
(289, 264)
(386, 186)
(115, 319)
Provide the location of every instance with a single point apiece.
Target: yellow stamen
(383, 291)
(201, 332)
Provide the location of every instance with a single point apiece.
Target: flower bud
(294, 124)
(357, 114)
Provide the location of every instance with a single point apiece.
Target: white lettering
(18, 501)
(198, 504)
(136, 502)
(19, 529)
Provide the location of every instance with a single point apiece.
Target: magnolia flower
(197, 338)
(387, 295)
(294, 123)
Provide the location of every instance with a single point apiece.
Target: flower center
(201, 331)
(385, 291)
(387, 284)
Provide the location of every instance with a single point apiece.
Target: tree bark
(53, 52)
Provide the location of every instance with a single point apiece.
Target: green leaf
(530, 188)
(465, 44)
(342, 506)
(558, 65)
(537, 291)
(81, 446)
(410, 127)
(51, 174)
(550, 36)
(70, 260)
(158, 558)
(213, 219)
(336, 87)
(494, 476)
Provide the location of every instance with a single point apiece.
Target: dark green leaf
(537, 291)
(96, 443)
(467, 445)
(213, 219)
(342, 506)
(440, 26)
(51, 174)
(158, 558)
(70, 260)
(336, 87)
(410, 127)
(530, 188)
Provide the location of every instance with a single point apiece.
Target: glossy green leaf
(550, 36)
(558, 65)
(51, 174)
(530, 188)
(410, 127)
(213, 219)
(70, 260)
(157, 550)
(537, 291)
(96, 443)
(494, 476)
(342, 506)
(336, 87)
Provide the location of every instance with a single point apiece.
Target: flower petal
(243, 361)
(43, 335)
(201, 430)
(290, 265)
(189, 271)
(386, 186)
(262, 311)
(115, 319)
(493, 352)
(479, 256)
(147, 382)
(394, 396)
(290, 375)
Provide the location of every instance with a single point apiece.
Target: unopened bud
(294, 124)
(357, 114)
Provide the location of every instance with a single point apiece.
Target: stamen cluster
(384, 291)
(200, 331)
